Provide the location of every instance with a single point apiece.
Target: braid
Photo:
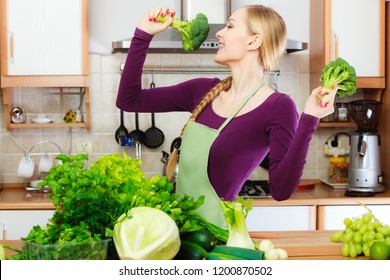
(213, 93)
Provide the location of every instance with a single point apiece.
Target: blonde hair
(267, 23)
(214, 92)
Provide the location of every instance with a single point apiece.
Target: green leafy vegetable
(193, 32)
(146, 233)
(235, 213)
(341, 72)
(89, 201)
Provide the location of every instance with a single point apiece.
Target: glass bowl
(96, 250)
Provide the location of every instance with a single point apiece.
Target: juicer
(365, 176)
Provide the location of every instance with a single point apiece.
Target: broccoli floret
(193, 32)
(340, 71)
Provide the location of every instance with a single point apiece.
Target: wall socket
(84, 147)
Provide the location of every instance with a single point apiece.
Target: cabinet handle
(4, 232)
(336, 46)
(11, 48)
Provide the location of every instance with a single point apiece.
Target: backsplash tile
(104, 81)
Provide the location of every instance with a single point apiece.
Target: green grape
(359, 249)
(365, 237)
(377, 224)
(371, 236)
(367, 217)
(348, 230)
(348, 236)
(384, 230)
(345, 250)
(363, 228)
(366, 248)
(352, 250)
(357, 223)
(379, 236)
(370, 226)
(357, 237)
(347, 222)
(336, 236)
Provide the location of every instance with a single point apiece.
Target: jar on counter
(341, 112)
(338, 170)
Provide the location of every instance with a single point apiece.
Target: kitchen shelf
(8, 105)
(337, 124)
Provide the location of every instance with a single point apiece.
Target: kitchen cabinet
(354, 32)
(20, 222)
(48, 48)
(331, 217)
(277, 218)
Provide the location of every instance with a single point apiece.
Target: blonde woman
(235, 122)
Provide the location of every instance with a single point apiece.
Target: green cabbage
(146, 233)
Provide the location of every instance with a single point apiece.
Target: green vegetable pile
(193, 32)
(341, 72)
(89, 201)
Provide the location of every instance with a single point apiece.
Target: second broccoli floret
(341, 72)
(193, 32)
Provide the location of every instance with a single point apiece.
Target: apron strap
(232, 115)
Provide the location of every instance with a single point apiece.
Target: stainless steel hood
(170, 42)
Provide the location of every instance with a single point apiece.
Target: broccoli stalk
(340, 71)
(193, 32)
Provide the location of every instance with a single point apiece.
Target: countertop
(300, 245)
(15, 197)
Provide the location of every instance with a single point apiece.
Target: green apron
(193, 177)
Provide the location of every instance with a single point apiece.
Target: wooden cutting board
(304, 243)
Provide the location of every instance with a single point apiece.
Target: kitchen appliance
(365, 175)
(255, 189)
(169, 41)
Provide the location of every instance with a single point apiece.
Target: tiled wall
(104, 80)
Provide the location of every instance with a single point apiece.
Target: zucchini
(202, 237)
(248, 254)
(221, 256)
(190, 251)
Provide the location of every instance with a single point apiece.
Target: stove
(255, 189)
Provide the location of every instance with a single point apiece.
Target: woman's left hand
(321, 107)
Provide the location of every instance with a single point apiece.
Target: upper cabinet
(44, 43)
(44, 38)
(355, 32)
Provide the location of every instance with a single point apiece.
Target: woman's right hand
(149, 22)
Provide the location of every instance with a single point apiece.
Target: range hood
(169, 41)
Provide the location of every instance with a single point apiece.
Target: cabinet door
(44, 37)
(356, 35)
(332, 217)
(20, 222)
(275, 218)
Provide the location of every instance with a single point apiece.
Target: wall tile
(104, 81)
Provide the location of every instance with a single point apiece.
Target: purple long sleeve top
(274, 127)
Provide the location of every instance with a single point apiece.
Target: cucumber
(190, 251)
(202, 237)
(248, 254)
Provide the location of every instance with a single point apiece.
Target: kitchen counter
(15, 197)
(300, 245)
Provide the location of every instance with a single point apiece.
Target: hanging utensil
(121, 131)
(154, 136)
(137, 134)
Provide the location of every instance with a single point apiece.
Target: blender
(365, 176)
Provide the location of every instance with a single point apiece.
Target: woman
(235, 122)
